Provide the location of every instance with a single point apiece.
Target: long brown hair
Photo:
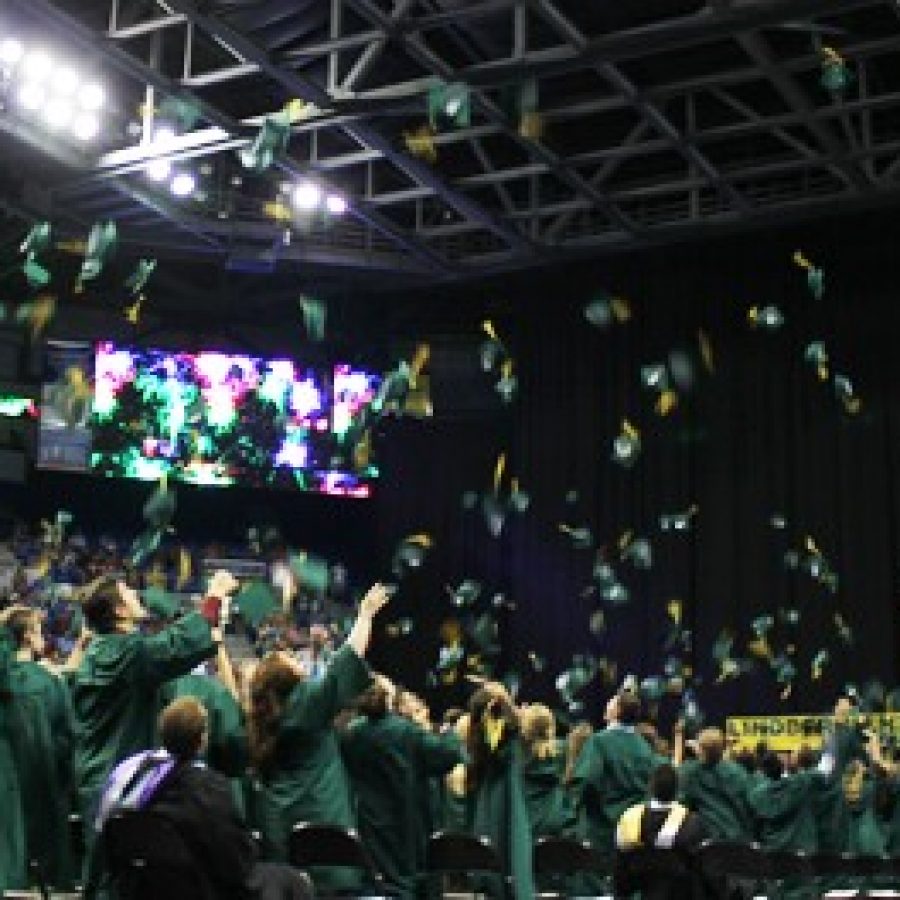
(272, 682)
(487, 703)
(578, 737)
(538, 731)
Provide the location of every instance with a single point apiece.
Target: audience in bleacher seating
(261, 745)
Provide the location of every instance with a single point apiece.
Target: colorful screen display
(222, 419)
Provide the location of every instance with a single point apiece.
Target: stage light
(57, 113)
(163, 135)
(86, 127)
(65, 81)
(32, 96)
(336, 204)
(37, 65)
(11, 51)
(183, 184)
(158, 169)
(92, 97)
(307, 196)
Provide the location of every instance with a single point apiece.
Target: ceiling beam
(299, 85)
(144, 74)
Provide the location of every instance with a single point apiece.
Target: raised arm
(371, 605)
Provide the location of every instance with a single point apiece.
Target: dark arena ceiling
(659, 120)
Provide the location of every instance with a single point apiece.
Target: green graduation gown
(783, 812)
(500, 814)
(867, 838)
(307, 781)
(43, 747)
(719, 795)
(12, 832)
(612, 774)
(391, 763)
(115, 700)
(829, 808)
(548, 805)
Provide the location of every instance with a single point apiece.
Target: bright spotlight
(336, 204)
(158, 169)
(92, 97)
(32, 96)
(307, 195)
(58, 113)
(86, 127)
(183, 184)
(65, 81)
(38, 65)
(163, 135)
(11, 51)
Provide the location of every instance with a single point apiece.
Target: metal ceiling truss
(626, 157)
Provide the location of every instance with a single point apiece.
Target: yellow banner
(786, 733)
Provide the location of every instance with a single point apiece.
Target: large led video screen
(220, 419)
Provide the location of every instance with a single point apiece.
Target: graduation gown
(43, 748)
(115, 700)
(829, 807)
(866, 837)
(612, 774)
(307, 781)
(499, 813)
(12, 832)
(392, 763)
(548, 805)
(783, 812)
(719, 795)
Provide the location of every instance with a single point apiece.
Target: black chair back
(149, 860)
(832, 864)
(656, 873)
(783, 864)
(449, 852)
(564, 856)
(329, 846)
(720, 859)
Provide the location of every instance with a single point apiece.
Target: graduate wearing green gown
(43, 746)
(543, 770)
(115, 689)
(717, 790)
(496, 797)
(783, 809)
(612, 774)
(293, 743)
(391, 762)
(867, 837)
(12, 834)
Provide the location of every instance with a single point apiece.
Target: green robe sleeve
(177, 649)
(312, 705)
(439, 753)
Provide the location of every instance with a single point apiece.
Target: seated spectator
(661, 823)
(199, 803)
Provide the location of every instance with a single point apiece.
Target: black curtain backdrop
(758, 437)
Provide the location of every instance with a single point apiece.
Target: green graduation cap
(723, 645)
(652, 689)
(36, 275)
(272, 137)
(581, 536)
(768, 317)
(818, 664)
(519, 500)
(100, 245)
(627, 446)
(469, 500)
(815, 277)
(483, 634)
(466, 594)
(37, 240)
(501, 601)
(762, 625)
(597, 622)
(161, 603)
(159, 509)
(255, 601)
(639, 552)
(138, 279)
(315, 314)
(494, 511)
(598, 312)
(574, 679)
(835, 76)
(537, 662)
(615, 594)
(843, 390)
(410, 554)
(180, 112)
(655, 377)
(680, 521)
(872, 697)
(691, 714)
(789, 616)
(146, 543)
(449, 104)
(490, 353)
(310, 571)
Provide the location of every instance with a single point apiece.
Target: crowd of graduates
(345, 746)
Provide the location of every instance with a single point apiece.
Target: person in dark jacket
(200, 804)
